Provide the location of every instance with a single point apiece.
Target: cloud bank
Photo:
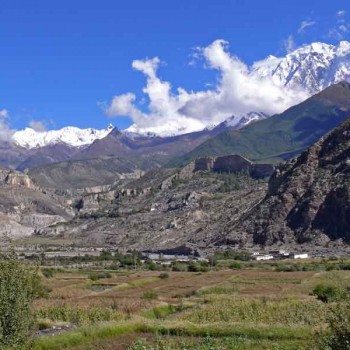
(237, 92)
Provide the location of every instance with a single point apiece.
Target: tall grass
(270, 311)
(79, 316)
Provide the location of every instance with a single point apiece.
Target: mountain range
(211, 203)
(113, 187)
(310, 68)
(281, 136)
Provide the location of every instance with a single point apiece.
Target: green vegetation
(329, 293)
(337, 336)
(230, 254)
(244, 305)
(150, 295)
(94, 276)
(78, 315)
(19, 286)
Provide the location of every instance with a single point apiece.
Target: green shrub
(48, 272)
(164, 276)
(235, 265)
(94, 276)
(179, 267)
(337, 336)
(231, 254)
(344, 266)
(19, 286)
(150, 295)
(193, 267)
(328, 293)
(152, 266)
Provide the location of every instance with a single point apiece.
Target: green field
(252, 308)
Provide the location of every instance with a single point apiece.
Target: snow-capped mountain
(71, 136)
(311, 68)
(301, 73)
(244, 120)
(167, 130)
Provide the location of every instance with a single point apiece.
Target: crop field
(218, 309)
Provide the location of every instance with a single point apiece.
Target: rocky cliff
(308, 199)
(25, 208)
(228, 164)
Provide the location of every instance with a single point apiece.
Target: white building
(264, 257)
(300, 255)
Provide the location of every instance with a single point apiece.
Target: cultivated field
(256, 308)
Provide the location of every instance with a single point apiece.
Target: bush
(230, 254)
(328, 293)
(48, 273)
(19, 286)
(150, 295)
(179, 267)
(94, 276)
(193, 267)
(337, 336)
(152, 266)
(235, 265)
(163, 276)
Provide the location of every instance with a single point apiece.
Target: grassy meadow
(225, 308)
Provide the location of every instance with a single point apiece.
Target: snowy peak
(303, 72)
(311, 68)
(244, 120)
(71, 136)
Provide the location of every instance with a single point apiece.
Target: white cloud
(5, 130)
(4, 113)
(340, 30)
(344, 28)
(37, 125)
(237, 92)
(305, 24)
(289, 44)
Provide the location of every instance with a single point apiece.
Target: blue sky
(61, 59)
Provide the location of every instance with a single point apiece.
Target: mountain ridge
(281, 136)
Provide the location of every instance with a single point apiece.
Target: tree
(19, 285)
(337, 335)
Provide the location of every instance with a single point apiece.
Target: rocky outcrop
(227, 164)
(308, 199)
(24, 207)
(19, 179)
(204, 164)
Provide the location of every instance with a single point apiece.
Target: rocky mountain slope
(213, 202)
(308, 199)
(220, 202)
(284, 135)
(85, 173)
(165, 208)
(25, 208)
